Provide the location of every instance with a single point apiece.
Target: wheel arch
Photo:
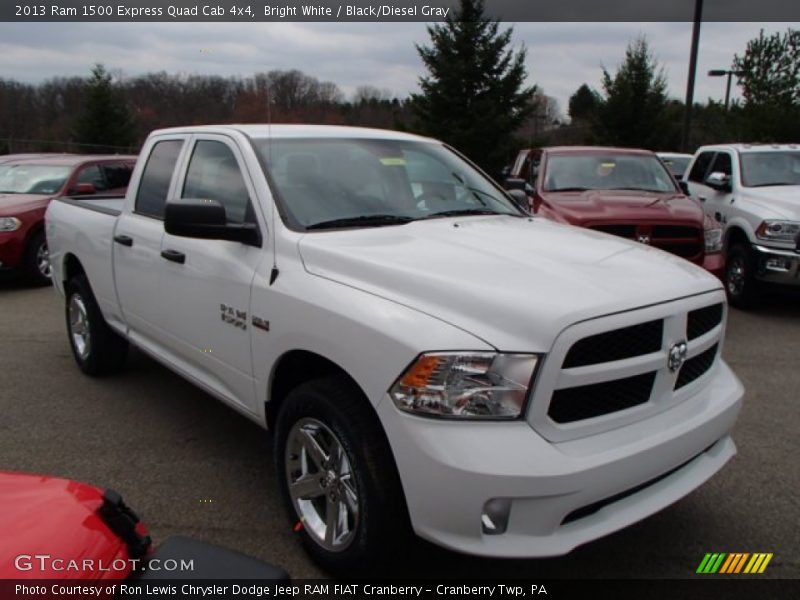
(735, 234)
(295, 367)
(72, 267)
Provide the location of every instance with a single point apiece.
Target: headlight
(469, 385)
(713, 234)
(778, 231)
(10, 223)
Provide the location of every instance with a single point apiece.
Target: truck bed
(110, 205)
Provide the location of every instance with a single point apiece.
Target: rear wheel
(740, 282)
(338, 478)
(36, 263)
(97, 348)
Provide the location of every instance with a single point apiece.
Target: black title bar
(396, 10)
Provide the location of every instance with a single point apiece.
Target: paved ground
(170, 449)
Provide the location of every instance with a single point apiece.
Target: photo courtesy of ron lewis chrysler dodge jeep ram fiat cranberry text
(429, 357)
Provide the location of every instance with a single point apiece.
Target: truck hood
(513, 282)
(779, 201)
(48, 515)
(594, 206)
(11, 204)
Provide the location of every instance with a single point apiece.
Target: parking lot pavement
(190, 465)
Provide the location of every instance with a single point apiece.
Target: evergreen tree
(633, 112)
(474, 96)
(583, 104)
(105, 123)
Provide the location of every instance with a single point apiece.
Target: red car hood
(11, 204)
(621, 206)
(56, 517)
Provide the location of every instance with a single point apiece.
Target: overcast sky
(561, 56)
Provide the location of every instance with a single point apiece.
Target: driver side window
(214, 174)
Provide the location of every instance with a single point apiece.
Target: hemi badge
(260, 323)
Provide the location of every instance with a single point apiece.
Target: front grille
(696, 367)
(587, 401)
(682, 240)
(618, 344)
(703, 320)
(626, 231)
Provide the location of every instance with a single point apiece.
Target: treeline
(61, 114)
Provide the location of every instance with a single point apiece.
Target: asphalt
(190, 465)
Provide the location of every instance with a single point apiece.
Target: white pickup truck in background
(428, 356)
(754, 191)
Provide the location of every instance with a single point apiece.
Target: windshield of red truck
(569, 173)
(763, 169)
(329, 183)
(32, 179)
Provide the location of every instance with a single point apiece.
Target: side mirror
(84, 189)
(205, 219)
(520, 199)
(514, 183)
(684, 186)
(719, 181)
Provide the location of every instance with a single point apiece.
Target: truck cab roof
(265, 130)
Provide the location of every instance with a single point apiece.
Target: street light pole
(687, 113)
(729, 74)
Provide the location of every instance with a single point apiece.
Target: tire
(740, 283)
(364, 487)
(36, 262)
(97, 348)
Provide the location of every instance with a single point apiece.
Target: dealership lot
(190, 465)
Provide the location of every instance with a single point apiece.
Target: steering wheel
(429, 200)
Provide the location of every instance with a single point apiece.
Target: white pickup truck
(429, 357)
(754, 191)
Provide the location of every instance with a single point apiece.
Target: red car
(56, 529)
(621, 191)
(27, 185)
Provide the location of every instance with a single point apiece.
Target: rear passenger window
(154, 185)
(92, 174)
(214, 174)
(700, 167)
(117, 176)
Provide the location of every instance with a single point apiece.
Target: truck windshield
(332, 183)
(606, 172)
(763, 169)
(32, 179)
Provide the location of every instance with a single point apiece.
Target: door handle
(174, 256)
(702, 198)
(125, 240)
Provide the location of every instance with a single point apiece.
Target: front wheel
(740, 281)
(337, 476)
(36, 263)
(97, 348)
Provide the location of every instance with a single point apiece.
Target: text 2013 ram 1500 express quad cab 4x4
(426, 354)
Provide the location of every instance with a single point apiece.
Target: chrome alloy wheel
(79, 326)
(736, 276)
(43, 260)
(321, 484)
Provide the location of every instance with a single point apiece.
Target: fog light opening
(778, 264)
(494, 519)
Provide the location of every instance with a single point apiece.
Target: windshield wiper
(361, 221)
(569, 189)
(458, 212)
(640, 189)
(775, 183)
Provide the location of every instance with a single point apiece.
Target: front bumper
(12, 248)
(715, 264)
(777, 266)
(449, 471)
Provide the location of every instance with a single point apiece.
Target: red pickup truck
(621, 191)
(28, 184)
